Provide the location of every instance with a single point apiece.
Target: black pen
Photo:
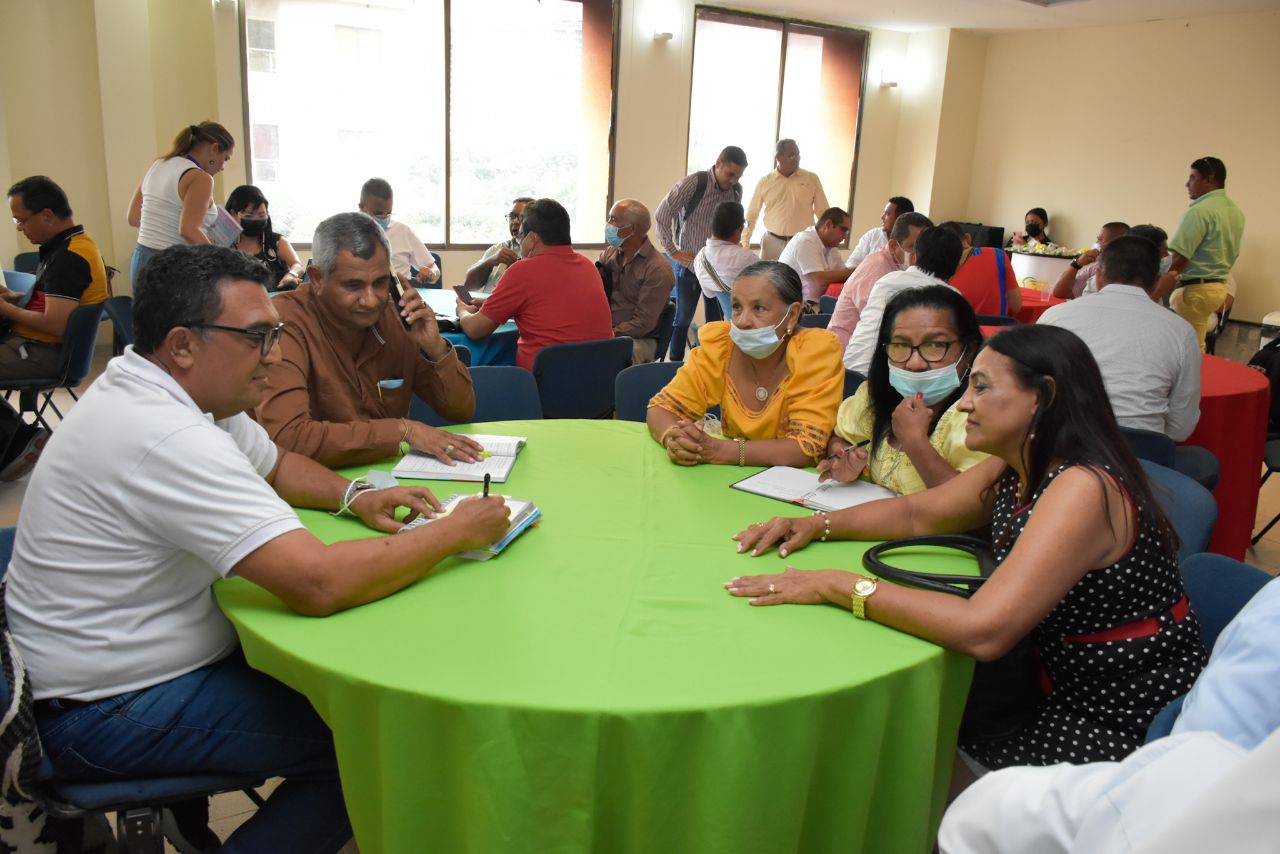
(486, 484)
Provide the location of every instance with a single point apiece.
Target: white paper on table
(444, 302)
(799, 486)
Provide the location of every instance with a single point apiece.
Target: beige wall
(1109, 139)
(1125, 111)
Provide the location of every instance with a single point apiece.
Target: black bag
(1005, 692)
(1267, 360)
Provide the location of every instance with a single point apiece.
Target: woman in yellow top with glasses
(777, 385)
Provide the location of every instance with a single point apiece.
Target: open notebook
(800, 486)
(502, 451)
(523, 515)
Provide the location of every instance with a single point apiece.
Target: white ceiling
(914, 15)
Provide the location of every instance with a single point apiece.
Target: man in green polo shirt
(1204, 248)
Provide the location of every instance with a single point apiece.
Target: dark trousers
(687, 293)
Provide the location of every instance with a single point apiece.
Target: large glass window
(757, 80)
(451, 119)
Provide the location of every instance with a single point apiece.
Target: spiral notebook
(524, 514)
(800, 486)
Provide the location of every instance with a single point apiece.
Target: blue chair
(826, 304)
(637, 384)
(667, 318)
(815, 321)
(1218, 588)
(576, 380)
(1189, 506)
(77, 359)
(120, 312)
(503, 393)
(136, 803)
(464, 354)
(852, 381)
(1199, 464)
(26, 262)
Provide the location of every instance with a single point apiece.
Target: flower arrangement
(1051, 250)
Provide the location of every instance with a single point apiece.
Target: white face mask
(935, 384)
(1165, 263)
(759, 342)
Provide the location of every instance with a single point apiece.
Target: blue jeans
(726, 304)
(141, 256)
(687, 293)
(223, 718)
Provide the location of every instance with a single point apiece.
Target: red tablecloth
(1034, 304)
(1234, 402)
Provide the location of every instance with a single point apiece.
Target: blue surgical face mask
(611, 235)
(759, 342)
(935, 384)
(1165, 263)
(384, 221)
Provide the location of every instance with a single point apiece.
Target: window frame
(446, 51)
(729, 15)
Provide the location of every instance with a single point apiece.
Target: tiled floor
(227, 812)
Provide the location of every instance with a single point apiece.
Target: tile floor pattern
(227, 812)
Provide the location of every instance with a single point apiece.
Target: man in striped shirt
(684, 224)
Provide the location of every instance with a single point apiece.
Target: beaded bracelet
(826, 526)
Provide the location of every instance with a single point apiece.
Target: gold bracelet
(665, 433)
(742, 451)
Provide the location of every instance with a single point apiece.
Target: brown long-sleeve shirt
(338, 407)
(641, 289)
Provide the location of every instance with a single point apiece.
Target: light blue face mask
(384, 221)
(936, 384)
(611, 235)
(1165, 263)
(759, 342)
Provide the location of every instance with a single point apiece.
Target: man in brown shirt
(642, 277)
(340, 393)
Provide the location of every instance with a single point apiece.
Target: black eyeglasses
(267, 337)
(514, 217)
(930, 351)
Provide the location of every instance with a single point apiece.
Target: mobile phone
(463, 294)
(395, 300)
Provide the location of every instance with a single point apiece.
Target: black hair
(883, 396)
(733, 154)
(1212, 168)
(727, 218)
(901, 205)
(182, 285)
(905, 222)
(1040, 212)
(548, 219)
(1130, 260)
(836, 215)
(521, 200)
(1074, 422)
(938, 252)
(38, 193)
(375, 188)
(1122, 227)
(785, 280)
(1154, 233)
(248, 196)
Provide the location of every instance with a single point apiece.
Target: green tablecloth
(595, 689)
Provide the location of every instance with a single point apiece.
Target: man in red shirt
(554, 294)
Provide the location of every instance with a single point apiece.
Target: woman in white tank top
(175, 199)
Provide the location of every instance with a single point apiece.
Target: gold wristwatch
(862, 590)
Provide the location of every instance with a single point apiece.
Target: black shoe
(186, 825)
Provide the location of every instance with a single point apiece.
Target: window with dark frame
(803, 81)
(381, 89)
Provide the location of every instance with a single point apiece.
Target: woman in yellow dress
(901, 429)
(777, 385)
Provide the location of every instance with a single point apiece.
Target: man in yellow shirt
(792, 199)
(71, 274)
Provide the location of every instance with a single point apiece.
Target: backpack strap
(711, 271)
(690, 206)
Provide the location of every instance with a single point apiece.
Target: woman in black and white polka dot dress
(1087, 560)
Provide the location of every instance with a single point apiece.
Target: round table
(1034, 304)
(1234, 404)
(497, 348)
(595, 689)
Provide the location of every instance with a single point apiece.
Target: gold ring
(448, 450)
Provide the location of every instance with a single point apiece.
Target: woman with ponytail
(175, 199)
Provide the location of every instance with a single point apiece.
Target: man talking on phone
(356, 348)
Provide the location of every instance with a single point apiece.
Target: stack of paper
(502, 451)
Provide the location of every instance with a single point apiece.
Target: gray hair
(782, 144)
(907, 221)
(785, 280)
(355, 232)
(635, 213)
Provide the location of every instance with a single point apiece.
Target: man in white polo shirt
(158, 484)
(812, 253)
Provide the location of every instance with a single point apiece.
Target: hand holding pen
(844, 463)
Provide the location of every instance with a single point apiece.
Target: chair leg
(1265, 475)
(138, 831)
(252, 794)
